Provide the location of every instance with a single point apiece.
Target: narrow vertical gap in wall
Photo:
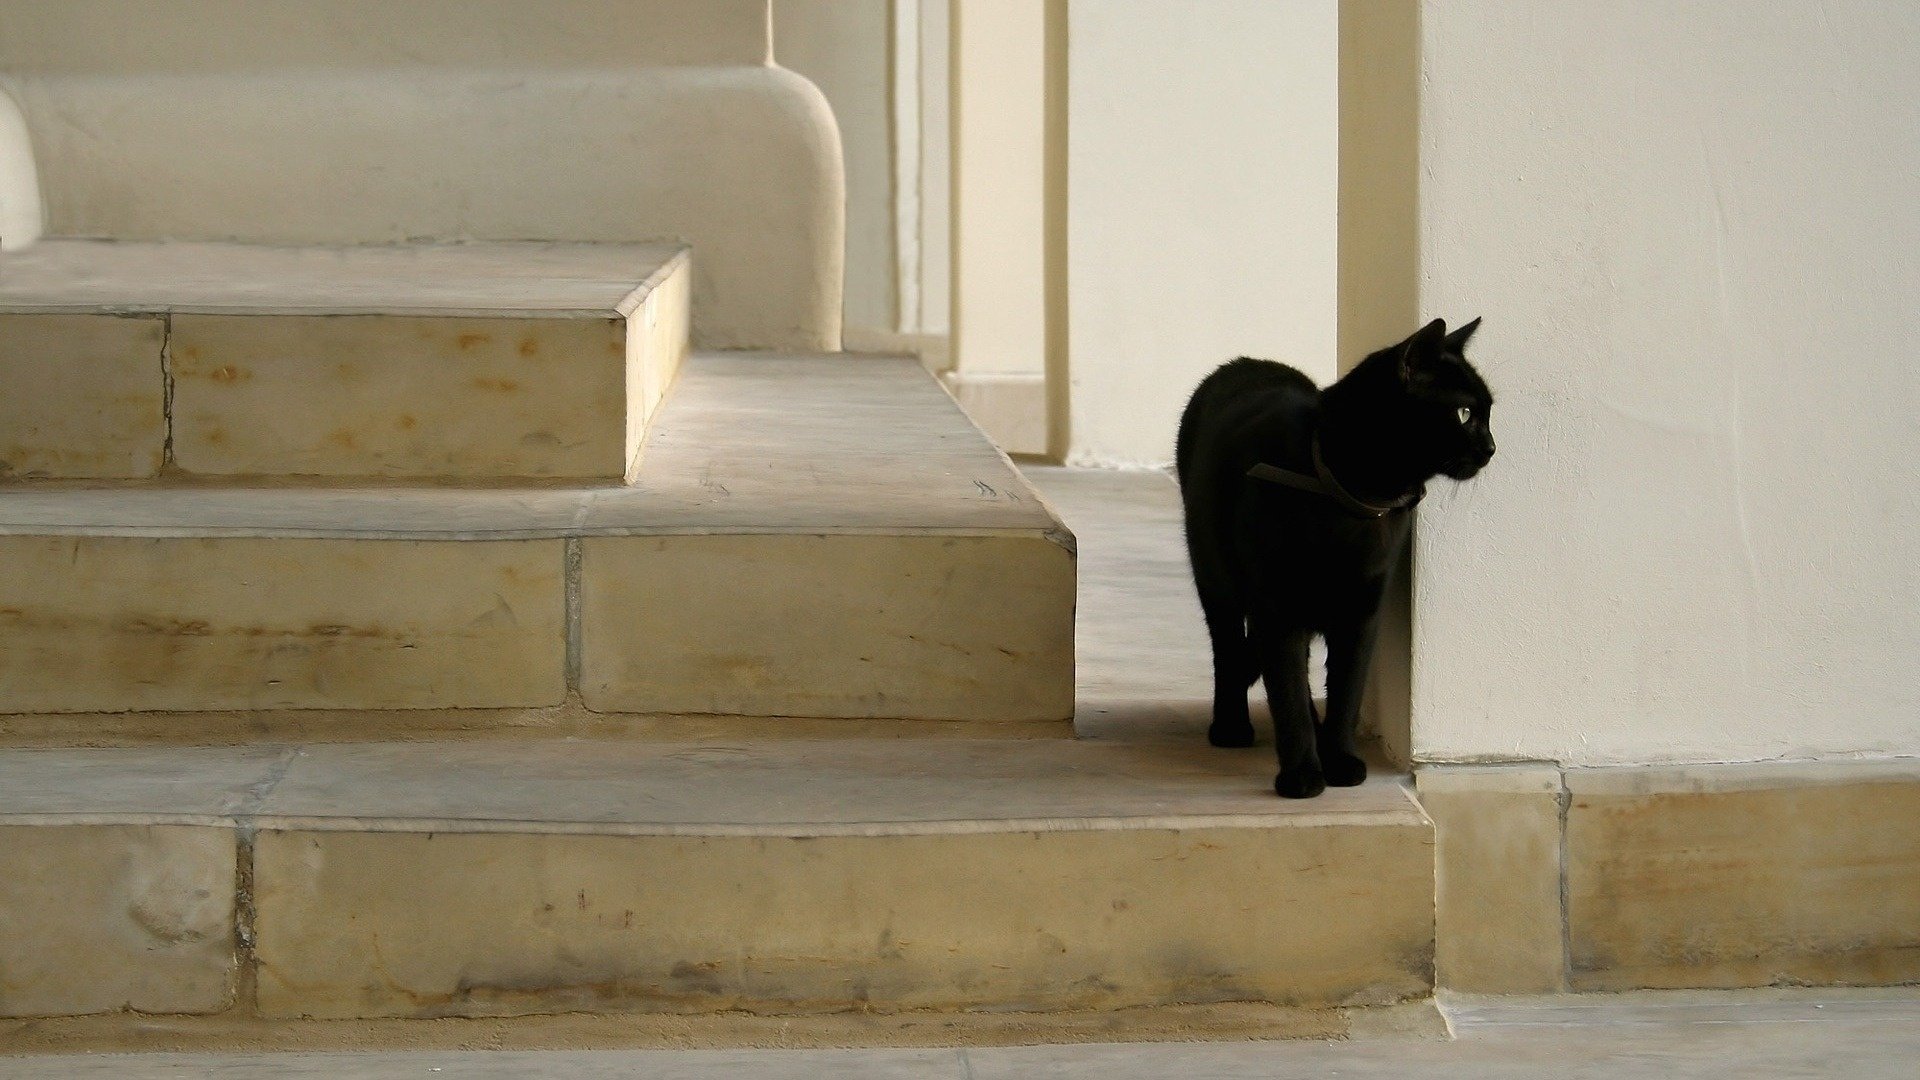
(1379, 268)
(1058, 384)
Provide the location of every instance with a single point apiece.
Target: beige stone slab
(1710, 876)
(827, 786)
(501, 280)
(98, 918)
(492, 360)
(378, 395)
(197, 785)
(423, 924)
(114, 623)
(84, 396)
(906, 627)
(1497, 877)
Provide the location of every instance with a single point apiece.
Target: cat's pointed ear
(1422, 346)
(1457, 341)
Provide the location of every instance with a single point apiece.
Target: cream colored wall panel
(81, 396)
(101, 918)
(1692, 230)
(935, 627)
(1202, 206)
(433, 924)
(122, 623)
(387, 396)
(1716, 876)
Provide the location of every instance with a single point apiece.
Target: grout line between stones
(246, 976)
(166, 392)
(246, 962)
(1565, 799)
(572, 615)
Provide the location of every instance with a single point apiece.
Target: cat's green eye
(1465, 413)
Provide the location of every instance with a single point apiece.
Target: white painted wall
(1694, 231)
(998, 128)
(1202, 184)
(844, 48)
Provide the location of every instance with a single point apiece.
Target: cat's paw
(1299, 784)
(1230, 734)
(1342, 769)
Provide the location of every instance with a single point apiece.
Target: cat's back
(1244, 401)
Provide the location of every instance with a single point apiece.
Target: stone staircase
(410, 630)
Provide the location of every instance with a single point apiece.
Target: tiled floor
(1860, 1035)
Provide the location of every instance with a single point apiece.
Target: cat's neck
(1362, 455)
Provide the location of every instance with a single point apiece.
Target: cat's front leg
(1283, 667)
(1349, 656)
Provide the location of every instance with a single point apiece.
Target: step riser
(938, 628)
(111, 423)
(401, 397)
(108, 624)
(465, 390)
(419, 924)
(906, 627)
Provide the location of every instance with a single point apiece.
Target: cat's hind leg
(1233, 671)
(1282, 653)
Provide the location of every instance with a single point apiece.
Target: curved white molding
(20, 216)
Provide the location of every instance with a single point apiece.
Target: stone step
(490, 878)
(514, 360)
(808, 536)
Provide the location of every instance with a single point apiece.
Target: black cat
(1298, 503)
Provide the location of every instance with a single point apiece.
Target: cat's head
(1443, 409)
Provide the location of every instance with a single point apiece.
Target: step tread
(497, 280)
(829, 786)
(743, 443)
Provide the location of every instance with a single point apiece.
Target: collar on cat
(1323, 483)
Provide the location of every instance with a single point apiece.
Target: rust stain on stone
(342, 437)
(505, 386)
(468, 341)
(528, 346)
(406, 422)
(227, 373)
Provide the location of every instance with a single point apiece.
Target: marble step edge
(667, 258)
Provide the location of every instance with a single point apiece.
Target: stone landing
(789, 877)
